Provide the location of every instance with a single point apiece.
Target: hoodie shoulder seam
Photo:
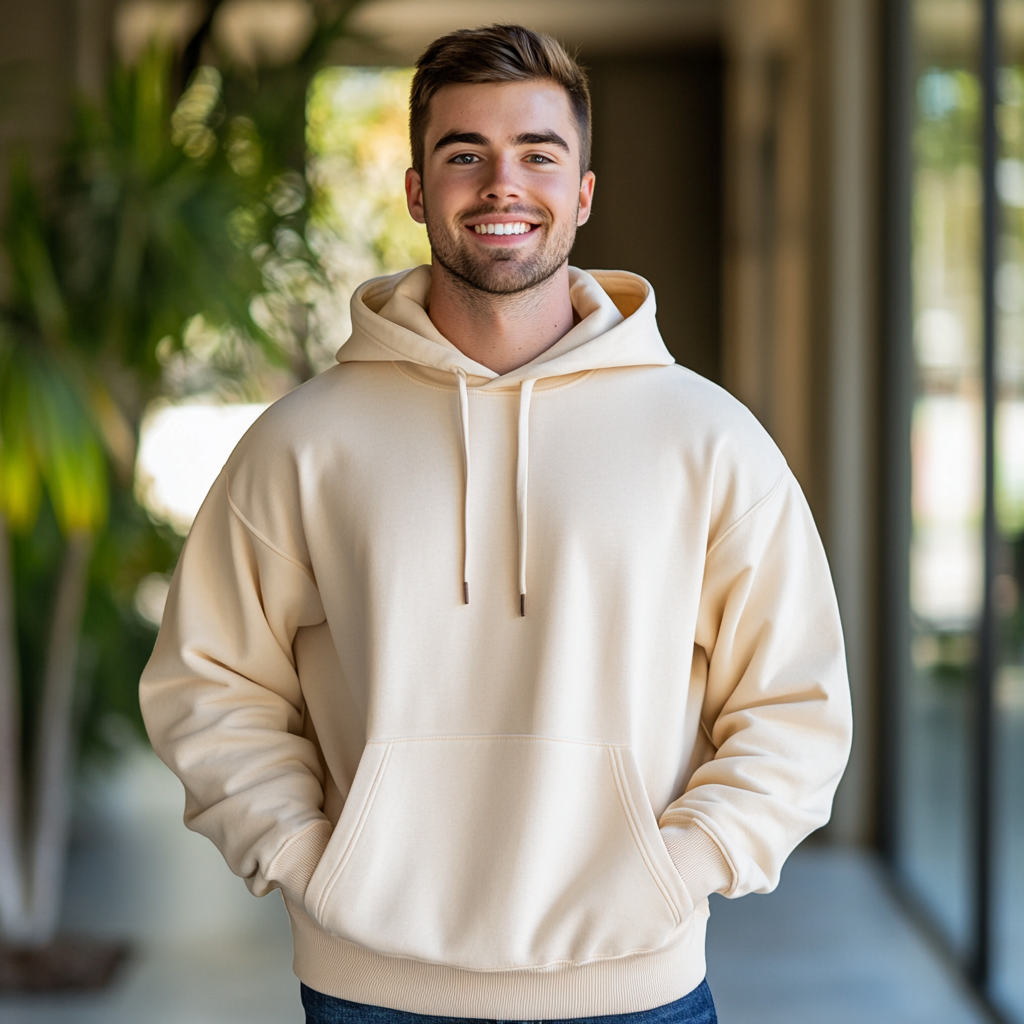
(752, 511)
(387, 348)
(419, 383)
(262, 538)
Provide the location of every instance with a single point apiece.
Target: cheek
(562, 199)
(447, 196)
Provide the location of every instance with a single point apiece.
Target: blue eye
(540, 158)
(464, 158)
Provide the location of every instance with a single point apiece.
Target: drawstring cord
(522, 479)
(464, 413)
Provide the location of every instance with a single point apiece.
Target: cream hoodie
(513, 807)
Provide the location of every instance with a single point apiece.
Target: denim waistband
(696, 1007)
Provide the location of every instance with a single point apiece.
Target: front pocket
(498, 852)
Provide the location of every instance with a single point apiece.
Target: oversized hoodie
(497, 677)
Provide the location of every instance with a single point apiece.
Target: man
(503, 644)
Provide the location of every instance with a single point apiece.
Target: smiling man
(503, 644)
(509, 180)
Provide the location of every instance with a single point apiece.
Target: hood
(617, 328)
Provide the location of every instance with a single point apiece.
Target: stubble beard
(501, 271)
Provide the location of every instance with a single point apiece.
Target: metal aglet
(522, 605)
(465, 592)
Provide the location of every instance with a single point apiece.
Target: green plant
(173, 219)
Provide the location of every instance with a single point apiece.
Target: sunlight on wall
(182, 449)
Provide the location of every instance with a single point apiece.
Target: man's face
(501, 192)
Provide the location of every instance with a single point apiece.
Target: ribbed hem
(698, 859)
(293, 865)
(628, 984)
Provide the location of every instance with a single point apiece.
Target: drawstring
(522, 477)
(522, 474)
(464, 412)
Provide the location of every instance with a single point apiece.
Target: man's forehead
(499, 111)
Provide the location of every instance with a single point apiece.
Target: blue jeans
(695, 1008)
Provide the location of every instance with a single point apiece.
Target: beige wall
(49, 49)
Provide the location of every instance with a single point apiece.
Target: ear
(414, 195)
(586, 198)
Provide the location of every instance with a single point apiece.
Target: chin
(503, 273)
(507, 279)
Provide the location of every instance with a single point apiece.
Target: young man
(503, 644)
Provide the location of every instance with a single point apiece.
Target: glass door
(933, 840)
(957, 825)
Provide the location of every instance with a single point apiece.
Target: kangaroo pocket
(498, 852)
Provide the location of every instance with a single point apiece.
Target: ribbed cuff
(698, 859)
(295, 862)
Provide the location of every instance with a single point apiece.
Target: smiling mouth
(514, 228)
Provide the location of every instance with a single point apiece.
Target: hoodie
(498, 677)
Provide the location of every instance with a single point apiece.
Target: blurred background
(828, 196)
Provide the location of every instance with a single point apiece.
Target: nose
(502, 184)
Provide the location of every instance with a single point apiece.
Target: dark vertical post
(988, 633)
(896, 389)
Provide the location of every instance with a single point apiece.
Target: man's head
(500, 131)
(498, 53)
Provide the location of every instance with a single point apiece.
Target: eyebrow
(525, 139)
(461, 138)
(541, 138)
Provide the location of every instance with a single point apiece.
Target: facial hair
(500, 271)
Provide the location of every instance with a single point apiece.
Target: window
(956, 832)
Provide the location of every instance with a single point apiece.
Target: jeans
(695, 1008)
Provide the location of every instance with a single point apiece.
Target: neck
(502, 332)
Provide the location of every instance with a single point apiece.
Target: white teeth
(519, 228)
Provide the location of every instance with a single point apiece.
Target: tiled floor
(828, 947)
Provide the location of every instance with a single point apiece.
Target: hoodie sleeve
(776, 706)
(222, 703)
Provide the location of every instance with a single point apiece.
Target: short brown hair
(497, 53)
